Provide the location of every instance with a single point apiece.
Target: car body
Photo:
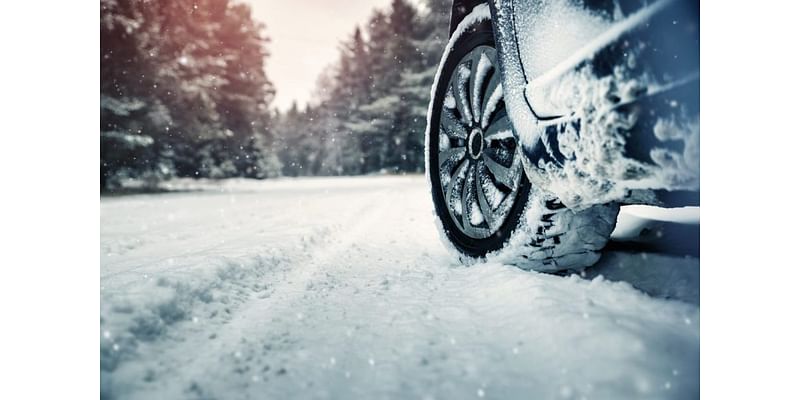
(644, 55)
(547, 115)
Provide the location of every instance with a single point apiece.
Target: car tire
(485, 206)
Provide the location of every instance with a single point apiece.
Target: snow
(684, 215)
(491, 104)
(129, 140)
(450, 100)
(481, 70)
(634, 218)
(462, 78)
(557, 29)
(493, 195)
(340, 288)
(596, 170)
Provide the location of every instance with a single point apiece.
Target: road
(340, 288)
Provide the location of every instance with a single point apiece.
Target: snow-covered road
(341, 288)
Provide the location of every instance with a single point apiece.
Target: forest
(184, 94)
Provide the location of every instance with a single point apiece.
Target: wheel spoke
(494, 93)
(480, 65)
(460, 81)
(465, 206)
(483, 203)
(450, 186)
(447, 155)
(452, 126)
(500, 129)
(501, 173)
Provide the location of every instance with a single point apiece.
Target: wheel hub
(475, 143)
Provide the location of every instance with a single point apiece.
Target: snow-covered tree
(370, 107)
(183, 91)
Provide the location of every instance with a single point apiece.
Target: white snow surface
(341, 288)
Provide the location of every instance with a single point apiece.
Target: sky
(305, 37)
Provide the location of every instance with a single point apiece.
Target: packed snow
(340, 288)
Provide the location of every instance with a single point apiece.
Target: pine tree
(183, 91)
(370, 109)
(125, 101)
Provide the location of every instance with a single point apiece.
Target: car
(546, 116)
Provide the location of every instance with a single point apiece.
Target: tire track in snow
(385, 313)
(178, 349)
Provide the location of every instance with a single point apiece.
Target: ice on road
(340, 288)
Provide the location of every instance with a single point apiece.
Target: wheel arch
(462, 8)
